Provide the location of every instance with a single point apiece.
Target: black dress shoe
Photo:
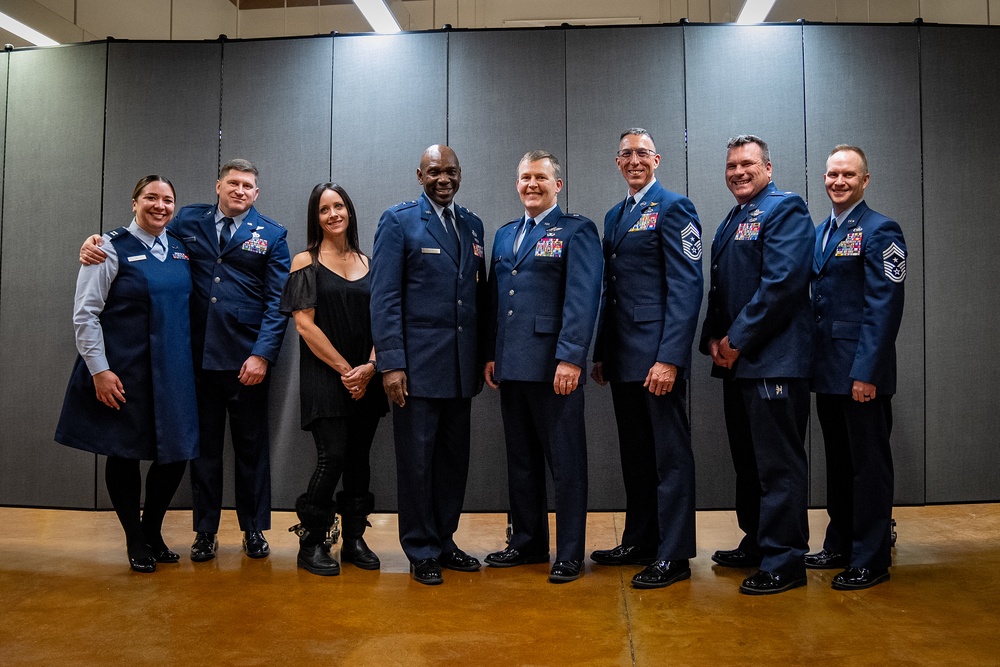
(356, 551)
(768, 583)
(165, 555)
(735, 558)
(662, 573)
(204, 547)
(826, 560)
(144, 564)
(427, 571)
(314, 558)
(510, 557)
(623, 555)
(459, 560)
(565, 570)
(255, 544)
(857, 578)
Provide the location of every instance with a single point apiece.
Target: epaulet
(271, 221)
(466, 211)
(512, 222)
(577, 216)
(115, 233)
(402, 206)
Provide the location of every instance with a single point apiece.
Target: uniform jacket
(544, 300)
(426, 302)
(234, 305)
(759, 293)
(858, 302)
(653, 286)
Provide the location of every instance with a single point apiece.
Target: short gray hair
(639, 132)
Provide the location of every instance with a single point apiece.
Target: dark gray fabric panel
(874, 102)
(603, 98)
(52, 200)
(174, 133)
(960, 77)
(740, 79)
(389, 104)
(276, 112)
(506, 96)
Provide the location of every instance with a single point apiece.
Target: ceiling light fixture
(755, 11)
(378, 15)
(24, 32)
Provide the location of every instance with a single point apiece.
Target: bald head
(439, 174)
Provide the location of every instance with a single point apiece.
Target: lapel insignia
(691, 242)
(894, 263)
(647, 221)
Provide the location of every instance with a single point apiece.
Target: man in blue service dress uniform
(758, 331)
(239, 263)
(428, 286)
(860, 265)
(545, 286)
(649, 315)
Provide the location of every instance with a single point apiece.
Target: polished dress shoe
(511, 557)
(255, 544)
(565, 570)
(768, 583)
(623, 555)
(356, 551)
(858, 578)
(427, 571)
(459, 560)
(144, 564)
(662, 573)
(826, 560)
(735, 558)
(204, 547)
(165, 555)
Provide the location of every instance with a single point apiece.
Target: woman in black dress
(328, 295)
(131, 395)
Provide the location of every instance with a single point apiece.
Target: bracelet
(374, 365)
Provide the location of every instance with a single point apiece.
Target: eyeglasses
(640, 153)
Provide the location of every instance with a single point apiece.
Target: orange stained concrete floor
(67, 597)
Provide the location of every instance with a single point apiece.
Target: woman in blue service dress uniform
(328, 295)
(131, 395)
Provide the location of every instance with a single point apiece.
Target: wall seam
(923, 244)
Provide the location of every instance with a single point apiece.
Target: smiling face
(846, 179)
(154, 207)
(440, 174)
(237, 192)
(637, 169)
(746, 172)
(537, 185)
(333, 215)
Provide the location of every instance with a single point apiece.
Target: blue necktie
(529, 224)
(829, 232)
(225, 234)
(158, 250)
(449, 226)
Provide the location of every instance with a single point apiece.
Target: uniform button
(218, 261)
(460, 328)
(514, 272)
(460, 303)
(614, 302)
(818, 318)
(614, 279)
(511, 293)
(218, 279)
(614, 256)
(819, 298)
(714, 288)
(510, 313)
(715, 267)
(214, 299)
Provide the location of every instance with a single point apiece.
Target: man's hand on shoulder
(253, 371)
(90, 251)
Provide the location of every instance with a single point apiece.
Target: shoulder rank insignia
(691, 242)
(894, 263)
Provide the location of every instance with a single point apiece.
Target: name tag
(431, 251)
(136, 258)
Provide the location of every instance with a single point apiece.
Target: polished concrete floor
(67, 597)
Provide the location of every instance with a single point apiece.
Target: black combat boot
(354, 509)
(314, 522)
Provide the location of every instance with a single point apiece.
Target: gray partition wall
(960, 77)
(873, 101)
(52, 200)
(82, 123)
(739, 80)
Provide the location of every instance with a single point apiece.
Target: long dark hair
(314, 233)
